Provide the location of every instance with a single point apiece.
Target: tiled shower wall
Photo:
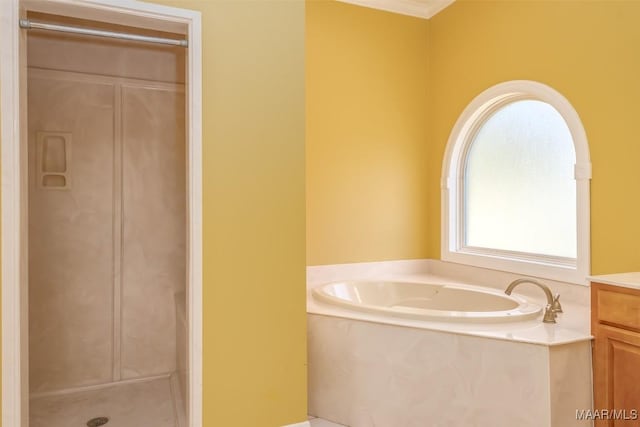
(106, 210)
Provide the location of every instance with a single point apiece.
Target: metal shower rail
(29, 24)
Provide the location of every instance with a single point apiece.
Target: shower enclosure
(107, 228)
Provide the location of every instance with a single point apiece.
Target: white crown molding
(418, 8)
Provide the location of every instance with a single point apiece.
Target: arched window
(515, 193)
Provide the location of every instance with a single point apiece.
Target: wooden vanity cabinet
(615, 324)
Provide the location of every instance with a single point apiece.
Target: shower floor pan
(144, 403)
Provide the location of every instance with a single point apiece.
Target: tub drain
(97, 422)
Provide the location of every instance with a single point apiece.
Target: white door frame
(15, 387)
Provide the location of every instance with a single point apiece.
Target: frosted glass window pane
(519, 188)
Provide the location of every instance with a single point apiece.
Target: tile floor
(319, 422)
(147, 403)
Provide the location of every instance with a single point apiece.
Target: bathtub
(388, 349)
(427, 301)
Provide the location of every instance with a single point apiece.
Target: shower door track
(14, 191)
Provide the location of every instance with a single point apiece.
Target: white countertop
(626, 280)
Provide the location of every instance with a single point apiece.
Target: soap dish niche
(53, 160)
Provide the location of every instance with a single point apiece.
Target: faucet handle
(556, 306)
(549, 315)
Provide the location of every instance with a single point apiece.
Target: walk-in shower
(107, 224)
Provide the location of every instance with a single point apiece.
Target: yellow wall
(384, 91)
(366, 102)
(586, 50)
(254, 221)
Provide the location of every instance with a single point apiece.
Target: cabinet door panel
(616, 372)
(625, 375)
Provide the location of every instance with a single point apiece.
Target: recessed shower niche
(53, 158)
(107, 227)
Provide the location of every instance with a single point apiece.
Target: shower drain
(97, 422)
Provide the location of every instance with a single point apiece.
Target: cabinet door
(616, 372)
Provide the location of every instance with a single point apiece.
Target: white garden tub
(427, 301)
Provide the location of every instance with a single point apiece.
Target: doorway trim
(13, 235)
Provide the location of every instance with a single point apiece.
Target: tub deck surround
(573, 323)
(318, 274)
(364, 374)
(529, 331)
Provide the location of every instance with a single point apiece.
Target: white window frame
(461, 138)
